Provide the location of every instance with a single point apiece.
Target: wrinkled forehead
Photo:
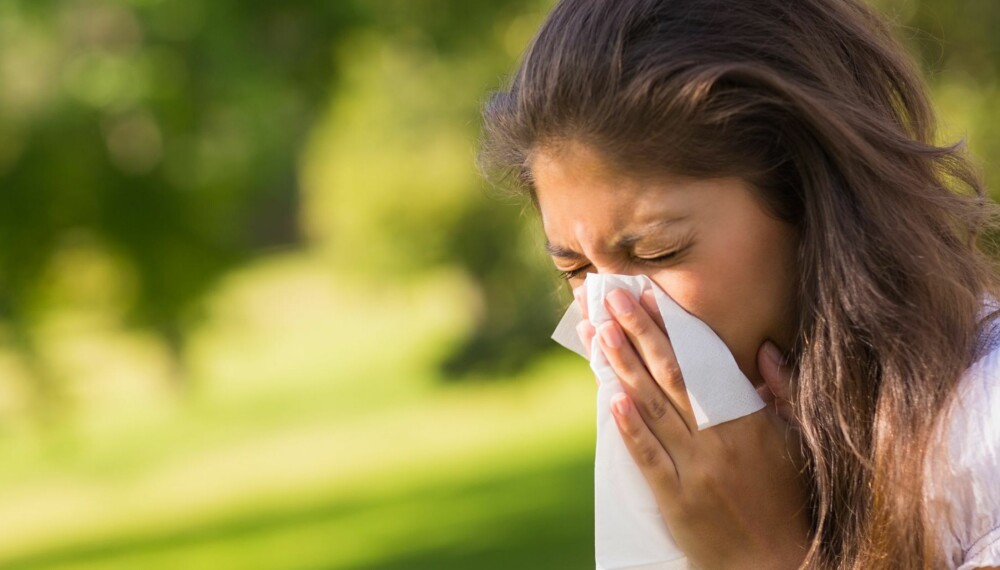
(575, 181)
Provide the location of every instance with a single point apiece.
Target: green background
(258, 311)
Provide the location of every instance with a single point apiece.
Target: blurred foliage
(958, 49)
(161, 133)
(162, 140)
(171, 141)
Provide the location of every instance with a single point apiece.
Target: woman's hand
(731, 494)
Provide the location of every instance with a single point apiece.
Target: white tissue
(629, 530)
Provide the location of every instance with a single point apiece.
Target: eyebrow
(560, 251)
(625, 241)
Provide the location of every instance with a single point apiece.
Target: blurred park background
(258, 311)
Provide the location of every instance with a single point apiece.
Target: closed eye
(669, 256)
(572, 273)
(679, 248)
(663, 257)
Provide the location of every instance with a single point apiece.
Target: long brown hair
(815, 104)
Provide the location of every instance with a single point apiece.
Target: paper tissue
(629, 532)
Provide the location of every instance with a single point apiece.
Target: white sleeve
(967, 483)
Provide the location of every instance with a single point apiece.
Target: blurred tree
(163, 132)
(166, 134)
(391, 168)
(959, 51)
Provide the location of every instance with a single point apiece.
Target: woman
(770, 165)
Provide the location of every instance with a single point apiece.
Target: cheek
(718, 294)
(740, 288)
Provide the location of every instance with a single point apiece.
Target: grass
(532, 518)
(344, 460)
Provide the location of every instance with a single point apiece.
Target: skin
(731, 493)
(737, 273)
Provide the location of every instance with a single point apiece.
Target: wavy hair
(817, 106)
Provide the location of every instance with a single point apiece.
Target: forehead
(575, 185)
(571, 158)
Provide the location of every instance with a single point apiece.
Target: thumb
(777, 377)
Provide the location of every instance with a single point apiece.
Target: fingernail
(620, 302)
(620, 405)
(773, 353)
(611, 335)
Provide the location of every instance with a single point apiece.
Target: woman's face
(722, 256)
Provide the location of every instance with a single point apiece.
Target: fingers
(653, 405)
(765, 394)
(771, 364)
(586, 332)
(648, 301)
(777, 379)
(584, 329)
(648, 453)
(654, 348)
(580, 294)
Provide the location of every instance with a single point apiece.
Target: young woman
(771, 165)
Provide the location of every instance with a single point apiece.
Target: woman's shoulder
(964, 474)
(979, 388)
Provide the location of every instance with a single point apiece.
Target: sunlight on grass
(352, 454)
(377, 468)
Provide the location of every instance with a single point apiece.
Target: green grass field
(292, 454)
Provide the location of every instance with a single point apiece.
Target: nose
(612, 269)
(579, 292)
(619, 268)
